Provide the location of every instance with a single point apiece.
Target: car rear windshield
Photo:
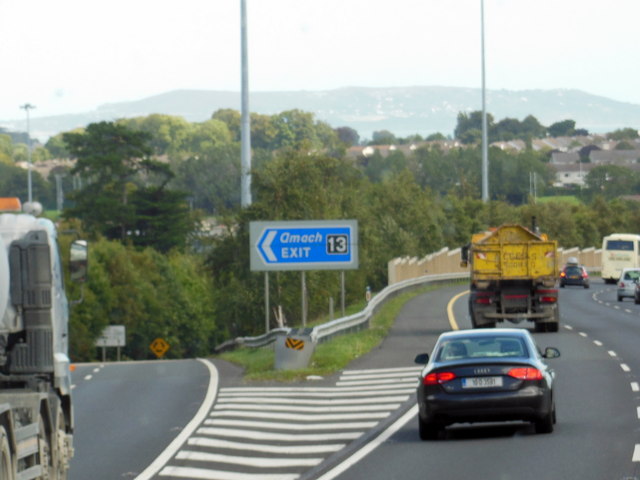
(573, 271)
(481, 347)
(632, 274)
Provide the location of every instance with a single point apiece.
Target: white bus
(619, 250)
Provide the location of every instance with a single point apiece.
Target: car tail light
(437, 378)
(621, 284)
(525, 373)
(585, 274)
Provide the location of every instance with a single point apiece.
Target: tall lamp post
(485, 148)
(27, 107)
(245, 133)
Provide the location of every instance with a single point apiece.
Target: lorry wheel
(6, 463)
(44, 451)
(62, 457)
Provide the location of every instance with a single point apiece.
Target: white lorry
(36, 415)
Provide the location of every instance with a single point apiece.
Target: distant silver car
(627, 283)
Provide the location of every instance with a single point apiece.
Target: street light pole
(245, 133)
(485, 148)
(27, 107)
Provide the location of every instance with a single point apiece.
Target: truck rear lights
(484, 298)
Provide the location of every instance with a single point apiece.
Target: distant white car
(627, 283)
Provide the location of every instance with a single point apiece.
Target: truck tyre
(7, 469)
(62, 456)
(44, 451)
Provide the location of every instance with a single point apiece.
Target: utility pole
(485, 148)
(245, 134)
(27, 107)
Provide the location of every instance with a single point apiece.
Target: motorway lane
(595, 437)
(597, 401)
(127, 413)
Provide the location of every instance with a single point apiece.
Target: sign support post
(266, 302)
(303, 245)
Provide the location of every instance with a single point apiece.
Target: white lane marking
(616, 307)
(582, 334)
(260, 462)
(568, 327)
(381, 370)
(312, 409)
(636, 454)
(370, 446)
(625, 367)
(264, 448)
(376, 377)
(291, 426)
(612, 353)
(310, 401)
(88, 377)
(598, 343)
(286, 437)
(301, 417)
(359, 392)
(635, 387)
(413, 380)
(627, 310)
(96, 370)
(188, 430)
(314, 392)
(202, 474)
(638, 412)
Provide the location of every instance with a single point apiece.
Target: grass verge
(329, 357)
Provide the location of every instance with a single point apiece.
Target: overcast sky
(66, 56)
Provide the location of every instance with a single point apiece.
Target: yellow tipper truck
(513, 278)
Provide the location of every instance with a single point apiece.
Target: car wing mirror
(422, 359)
(551, 352)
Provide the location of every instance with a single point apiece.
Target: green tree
(108, 156)
(564, 128)
(167, 134)
(212, 179)
(624, 134)
(383, 137)
(348, 136)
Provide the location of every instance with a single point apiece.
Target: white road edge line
(635, 387)
(371, 446)
(188, 430)
(625, 367)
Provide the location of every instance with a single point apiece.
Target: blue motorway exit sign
(304, 245)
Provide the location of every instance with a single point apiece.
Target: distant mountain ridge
(401, 110)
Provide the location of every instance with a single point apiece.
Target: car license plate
(481, 382)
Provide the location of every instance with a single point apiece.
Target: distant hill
(401, 110)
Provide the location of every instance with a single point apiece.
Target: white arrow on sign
(266, 246)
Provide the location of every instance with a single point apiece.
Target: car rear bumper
(528, 404)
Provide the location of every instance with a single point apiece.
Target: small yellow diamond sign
(159, 347)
